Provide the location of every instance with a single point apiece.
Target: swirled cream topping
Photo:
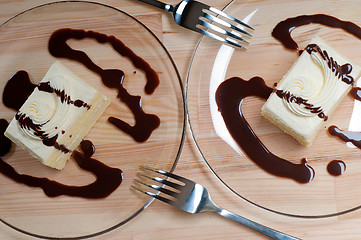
(56, 116)
(50, 112)
(310, 91)
(305, 97)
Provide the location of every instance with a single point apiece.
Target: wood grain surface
(160, 221)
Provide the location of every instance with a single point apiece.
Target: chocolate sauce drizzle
(17, 90)
(336, 167)
(289, 97)
(107, 179)
(229, 97)
(356, 93)
(145, 123)
(27, 122)
(283, 29)
(346, 136)
(339, 71)
(5, 143)
(64, 97)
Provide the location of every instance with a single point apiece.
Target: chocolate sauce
(107, 179)
(17, 90)
(229, 97)
(336, 167)
(145, 123)
(289, 97)
(283, 30)
(64, 97)
(88, 148)
(346, 136)
(339, 71)
(5, 143)
(356, 93)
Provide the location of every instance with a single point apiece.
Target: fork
(207, 20)
(194, 198)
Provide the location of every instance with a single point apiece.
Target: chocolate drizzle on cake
(289, 97)
(64, 97)
(27, 122)
(145, 123)
(339, 71)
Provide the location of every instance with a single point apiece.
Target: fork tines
(223, 27)
(176, 187)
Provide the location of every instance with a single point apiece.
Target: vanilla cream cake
(310, 91)
(57, 116)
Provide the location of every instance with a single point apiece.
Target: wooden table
(160, 221)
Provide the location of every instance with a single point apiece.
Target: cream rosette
(48, 111)
(304, 88)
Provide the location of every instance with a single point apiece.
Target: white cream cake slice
(310, 91)
(57, 116)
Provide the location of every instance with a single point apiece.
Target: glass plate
(326, 195)
(24, 46)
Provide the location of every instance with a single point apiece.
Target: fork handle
(255, 226)
(158, 4)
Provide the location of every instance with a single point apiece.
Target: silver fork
(207, 20)
(194, 198)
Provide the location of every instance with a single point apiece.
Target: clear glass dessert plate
(325, 195)
(24, 46)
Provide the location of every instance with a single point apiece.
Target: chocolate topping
(64, 97)
(339, 71)
(27, 122)
(289, 97)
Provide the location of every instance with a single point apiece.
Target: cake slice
(310, 91)
(56, 117)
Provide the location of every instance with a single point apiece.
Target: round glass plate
(325, 195)
(24, 46)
